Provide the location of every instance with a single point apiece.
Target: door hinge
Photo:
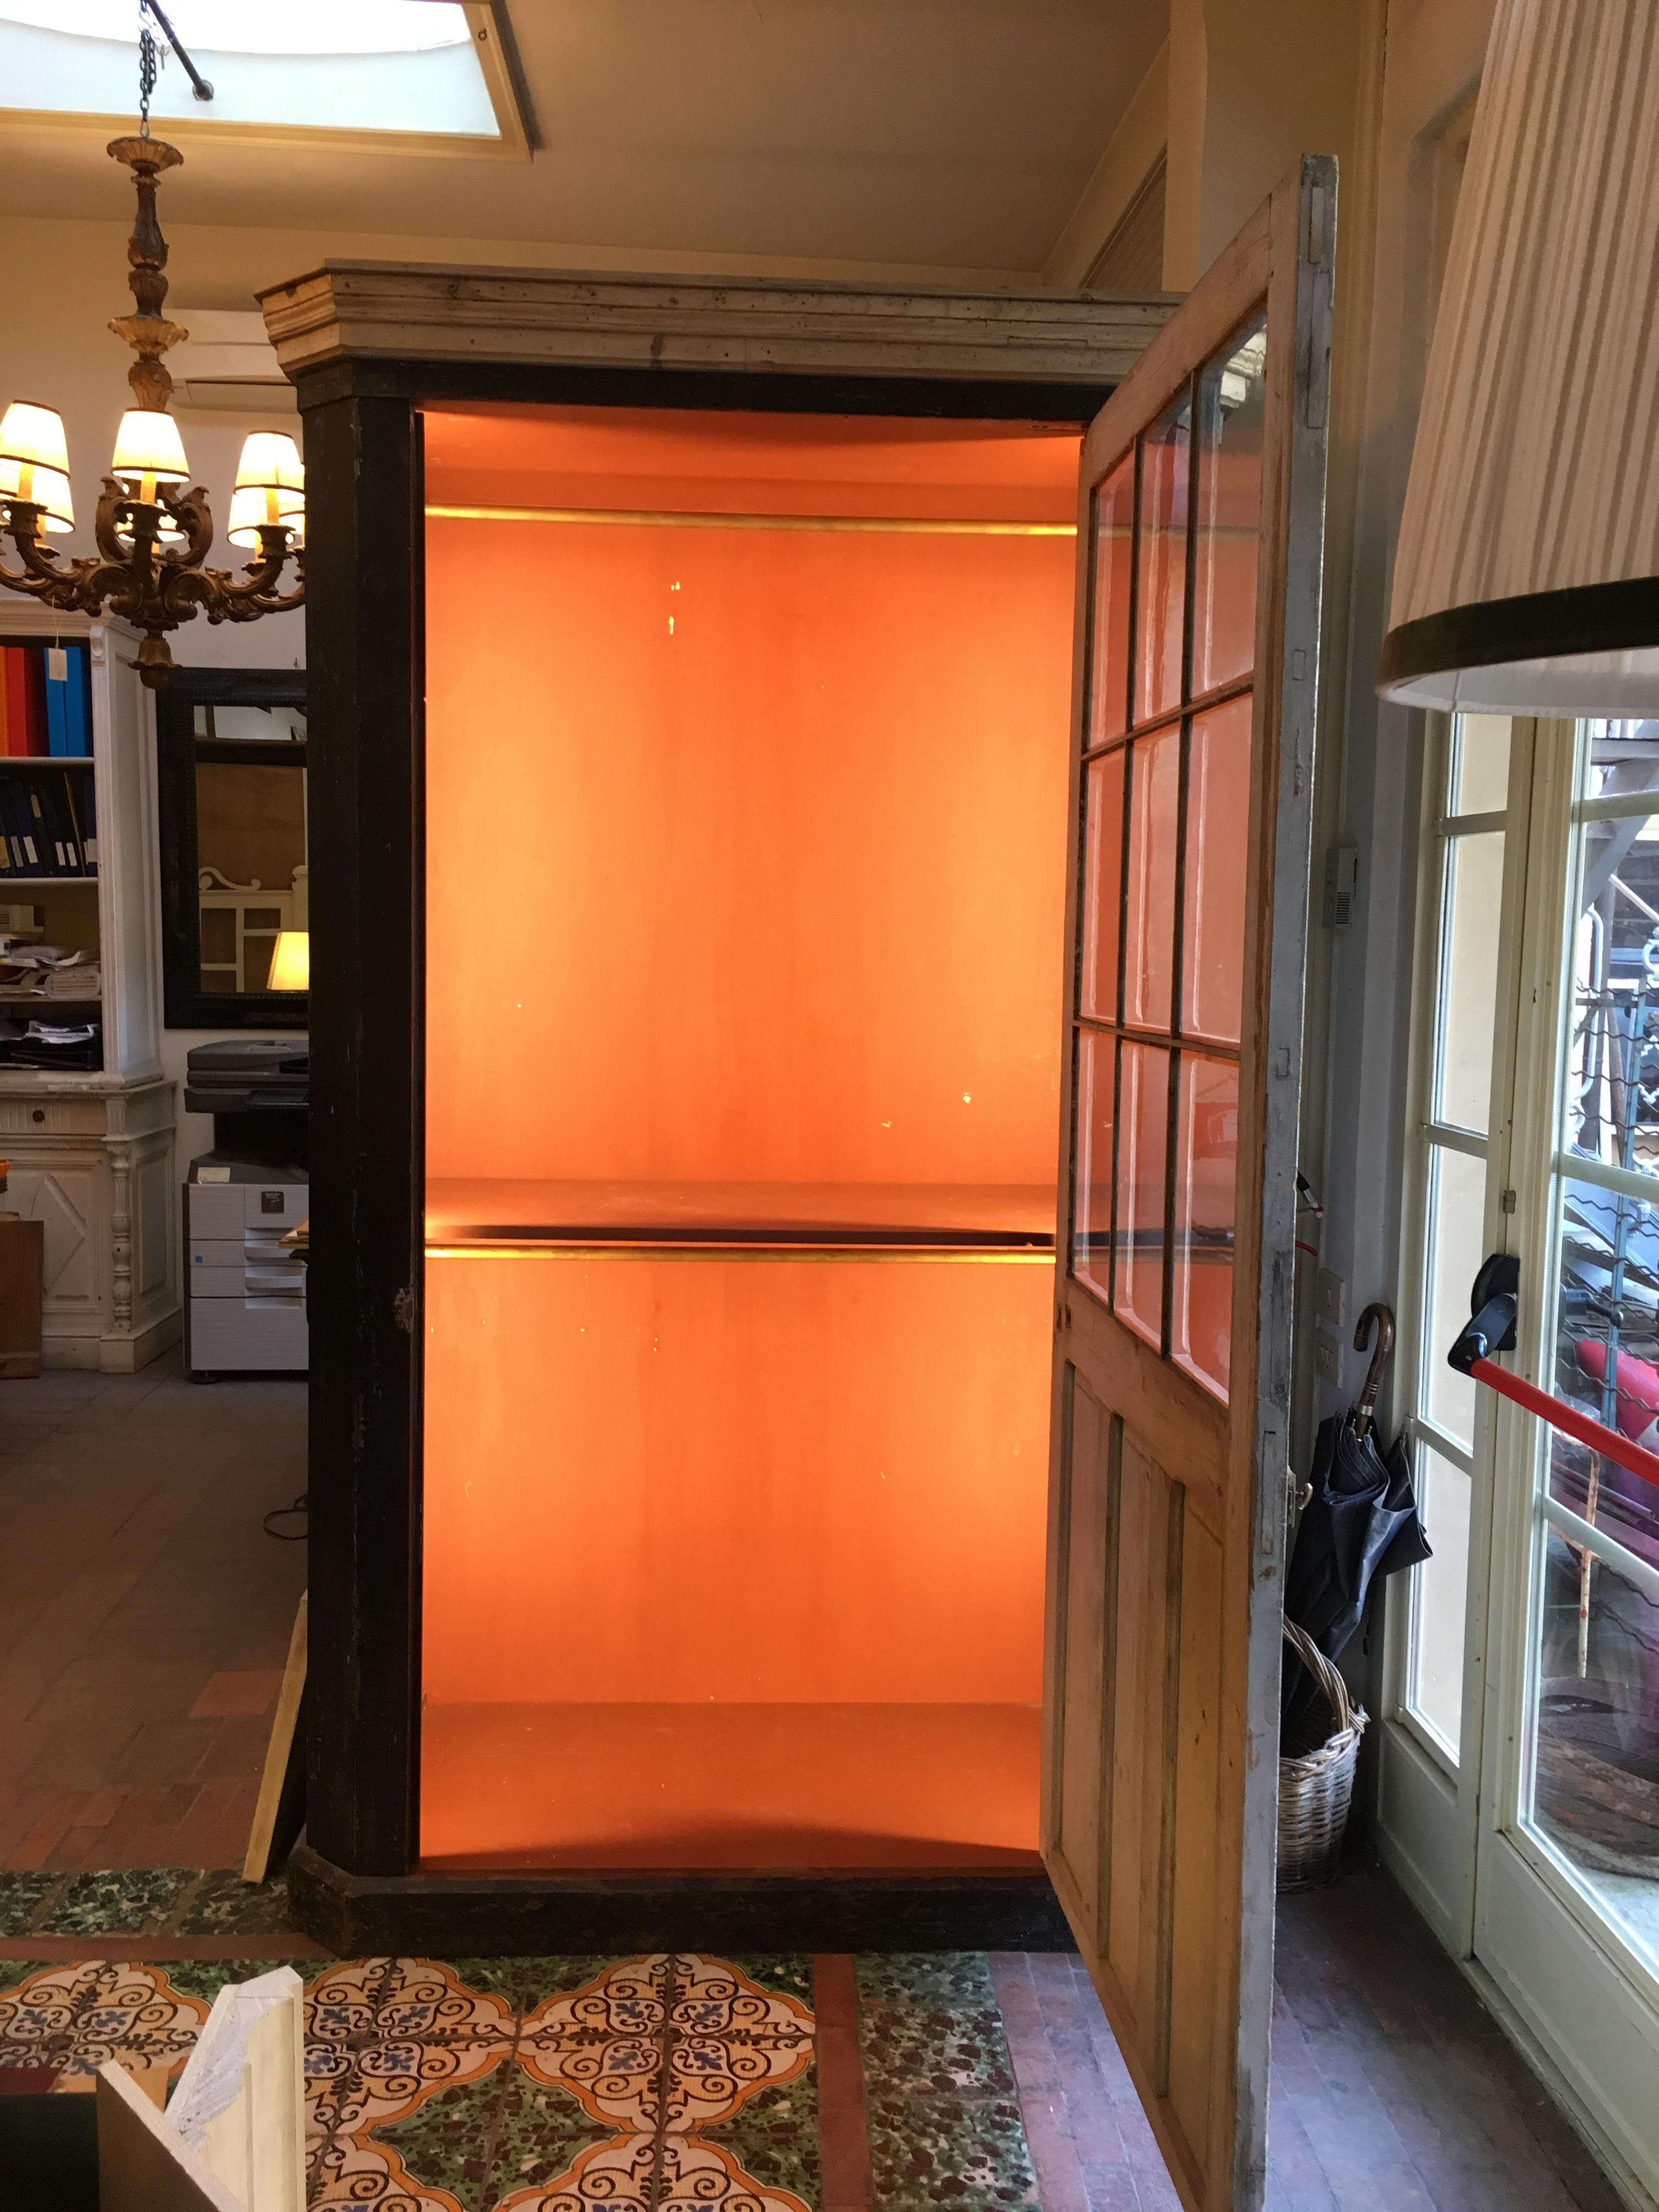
(1506, 1202)
(403, 1311)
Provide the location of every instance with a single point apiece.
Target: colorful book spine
(78, 703)
(26, 702)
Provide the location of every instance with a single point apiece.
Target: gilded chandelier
(153, 535)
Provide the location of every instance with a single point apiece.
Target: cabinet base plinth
(524, 1915)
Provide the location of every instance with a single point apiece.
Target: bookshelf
(91, 1146)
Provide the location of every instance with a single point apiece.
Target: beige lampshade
(290, 963)
(270, 460)
(48, 488)
(1526, 577)
(147, 444)
(34, 437)
(252, 504)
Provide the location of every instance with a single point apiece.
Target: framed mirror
(235, 854)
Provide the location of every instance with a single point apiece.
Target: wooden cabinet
(92, 1153)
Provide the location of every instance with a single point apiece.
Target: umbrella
(1360, 1522)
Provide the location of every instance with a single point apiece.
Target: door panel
(1200, 536)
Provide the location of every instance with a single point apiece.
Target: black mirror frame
(186, 1005)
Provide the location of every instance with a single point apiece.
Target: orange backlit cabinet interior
(746, 797)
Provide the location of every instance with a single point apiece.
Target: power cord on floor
(301, 1507)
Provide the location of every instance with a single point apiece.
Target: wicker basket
(1315, 1789)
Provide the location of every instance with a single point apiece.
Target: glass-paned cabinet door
(1167, 802)
(1470, 863)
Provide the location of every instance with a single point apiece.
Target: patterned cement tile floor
(891, 2083)
(147, 1614)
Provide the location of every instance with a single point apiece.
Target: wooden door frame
(1283, 257)
(369, 345)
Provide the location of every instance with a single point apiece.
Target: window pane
(1218, 814)
(1468, 971)
(1613, 1065)
(1091, 1241)
(1143, 1150)
(1606, 1355)
(1232, 400)
(1200, 1335)
(1624, 757)
(1109, 677)
(1481, 777)
(1595, 1730)
(1103, 884)
(1441, 1598)
(1149, 905)
(1456, 1221)
(1161, 571)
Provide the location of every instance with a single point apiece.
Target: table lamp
(290, 963)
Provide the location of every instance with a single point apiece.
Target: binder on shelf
(26, 702)
(68, 687)
(82, 864)
(57, 684)
(78, 704)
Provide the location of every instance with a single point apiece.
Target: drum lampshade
(1527, 576)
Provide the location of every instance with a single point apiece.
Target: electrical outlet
(1328, 1357)
(1331, 1299)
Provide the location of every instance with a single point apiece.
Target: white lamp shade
(252, 504)
(48, 488)
(290, 963)
(34, 436)
(1526, 577)
(147, 444)
(271, 461)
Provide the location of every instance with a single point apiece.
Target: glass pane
(1149, 891)
(1613, 1065)
(1480, 776)
(1218, 817)
(1441, 1598)
(1469, 979)
(1595, 1730)
(1606, 1355)
(1103, 884)
(1143, 1152)
(1624, 757)
(1109, 678)
(1200, 1329)
(1091, 1241)
(1456, 1220)
(1232, 403)
(1162, 568)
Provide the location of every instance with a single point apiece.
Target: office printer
(245, 1311)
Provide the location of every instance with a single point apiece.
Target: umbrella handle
(1380, 1359)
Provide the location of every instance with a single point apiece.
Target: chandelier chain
(147, 66)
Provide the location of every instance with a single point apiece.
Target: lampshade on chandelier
(153, 533)
(1526, 578)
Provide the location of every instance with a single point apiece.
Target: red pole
(1608, 1441)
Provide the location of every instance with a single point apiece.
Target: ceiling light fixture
(153, 534)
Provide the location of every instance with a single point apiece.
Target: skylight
(403, 65)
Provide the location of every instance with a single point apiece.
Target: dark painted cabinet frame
(355, 1878)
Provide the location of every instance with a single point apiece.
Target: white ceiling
(955, 135)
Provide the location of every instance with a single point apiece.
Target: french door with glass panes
(1520, 1756)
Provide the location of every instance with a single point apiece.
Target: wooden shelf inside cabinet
(6, 881)
(47, 760)
(851, 1217)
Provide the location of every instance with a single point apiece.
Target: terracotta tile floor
(145, 1616)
